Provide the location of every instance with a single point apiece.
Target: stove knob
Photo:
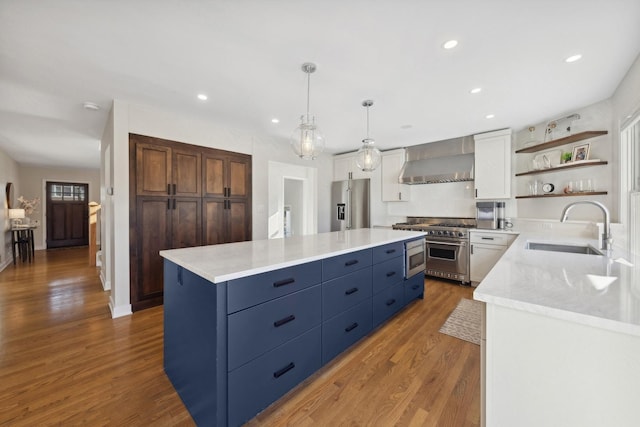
(439, 233)
(460, 234)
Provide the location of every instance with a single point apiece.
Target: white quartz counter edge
(220, 263)
(539, 282)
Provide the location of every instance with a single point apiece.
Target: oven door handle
(446, 243)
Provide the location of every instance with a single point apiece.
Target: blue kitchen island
(246, 322)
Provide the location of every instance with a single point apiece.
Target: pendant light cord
(308, 93)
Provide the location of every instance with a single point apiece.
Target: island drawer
(345, 329)
(387, 303)
(387, 273)
(252, 290)
(345, 292)
(413, 288)
(259, 383)
(344, 264)
(385, 252)
(259, 329)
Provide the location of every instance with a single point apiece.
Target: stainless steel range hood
(450, 160)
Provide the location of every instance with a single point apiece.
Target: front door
(67, 214)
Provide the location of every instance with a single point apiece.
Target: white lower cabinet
(486, 249)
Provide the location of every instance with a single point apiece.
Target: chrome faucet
(607, 240)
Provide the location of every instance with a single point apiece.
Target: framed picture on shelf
(580, 152)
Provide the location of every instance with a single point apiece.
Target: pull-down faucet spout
(607, 241)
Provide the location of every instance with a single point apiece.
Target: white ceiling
(246, 56)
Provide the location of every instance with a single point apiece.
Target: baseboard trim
(119, 311)
(5, 264)
(106, 285)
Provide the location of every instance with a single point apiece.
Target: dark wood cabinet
(181, 195)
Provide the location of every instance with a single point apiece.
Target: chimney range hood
(450, 160)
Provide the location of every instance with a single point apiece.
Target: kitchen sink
(554, 247)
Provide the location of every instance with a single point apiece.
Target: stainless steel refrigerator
(350, 204)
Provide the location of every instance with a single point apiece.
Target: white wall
(448, 199)
(594, 117)
(8, 173)
(129, 118)
(33, 182)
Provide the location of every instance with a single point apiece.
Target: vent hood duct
(450, 160)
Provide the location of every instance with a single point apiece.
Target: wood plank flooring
(64, 361)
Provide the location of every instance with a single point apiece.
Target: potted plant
(566, 157)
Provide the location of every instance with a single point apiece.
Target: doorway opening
(67, 214)
(293, 200)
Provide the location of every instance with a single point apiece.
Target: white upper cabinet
(493, 165)
(343, 164)
(392, 190)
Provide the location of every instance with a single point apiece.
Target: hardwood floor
(64, 361)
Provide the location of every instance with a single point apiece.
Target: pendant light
(368, 157)
(307, 140)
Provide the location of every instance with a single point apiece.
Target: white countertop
(600, 291)
(219, 263)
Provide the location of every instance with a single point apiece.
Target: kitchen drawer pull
(284, 320)
(351, 291)
(174, 189)
(281, 372)
(391, 301)
(414, 287)
(391, 273)
(487, 238)
(169, 189)
(390, 251)
(283, 282)
(351, 327)
(352, 262)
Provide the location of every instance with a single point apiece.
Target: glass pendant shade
(307, 141)
(368, 157)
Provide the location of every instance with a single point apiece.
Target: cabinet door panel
(345, 329)
(239, 178)
(213, 221)
(387, 303)
(344, 292)
(186, 224)
(186, 173)
(258, 329)
(213, 176)
(256, 289)
(239, 214)
(344, 264)
(258, 383)
(413, 288)
(153, 169)
(387, 273)
(153, 235)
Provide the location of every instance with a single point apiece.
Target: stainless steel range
(447, 245)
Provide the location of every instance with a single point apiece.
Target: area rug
(465, 321)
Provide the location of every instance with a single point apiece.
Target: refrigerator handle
(348, 208)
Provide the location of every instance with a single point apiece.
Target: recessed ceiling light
(202, 97)
(476, 90)
(275, 120)
(406, 126)
(90, 105)
(450, 44)
(490, 116)
(573, 58)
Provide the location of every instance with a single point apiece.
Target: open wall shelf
(549, 196)
(562, 141)
(564, 167)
